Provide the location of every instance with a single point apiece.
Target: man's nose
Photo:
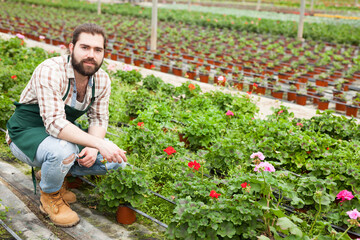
(91, 53)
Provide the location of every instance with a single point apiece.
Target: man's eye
(84, 47)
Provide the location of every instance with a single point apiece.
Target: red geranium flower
(140, 124)
(191, 86)
(13, 76)
(194, 165)
(169, 150)
(244, 185)
(213, 194)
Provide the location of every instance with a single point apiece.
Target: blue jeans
(50, 156)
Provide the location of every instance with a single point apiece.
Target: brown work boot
(59, 211)
(67, 195)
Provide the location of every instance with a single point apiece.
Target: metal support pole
(258, 5)
(99, 7)
(312, 5)
(301, 20)
(153, 38)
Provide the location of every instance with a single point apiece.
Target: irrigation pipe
(10, 231)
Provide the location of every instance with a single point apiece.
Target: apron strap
(34, 179)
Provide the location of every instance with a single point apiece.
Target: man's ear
(71, 47)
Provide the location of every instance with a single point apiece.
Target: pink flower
(111, 67)
(62, 46)
(221, 79)
(127, 68)
(354, 214)
(280, 112)
(19, 35)
(264, 166)
(299, 124)
(344, 195)
(229, 113)
(41, 37)
(259, 155)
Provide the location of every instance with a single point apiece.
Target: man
(42, 132)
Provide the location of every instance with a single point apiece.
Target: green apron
(26, 127)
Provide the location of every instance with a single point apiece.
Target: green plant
(152, 83)
(127, 185)
(129, 77)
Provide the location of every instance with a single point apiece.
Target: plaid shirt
(48, 85)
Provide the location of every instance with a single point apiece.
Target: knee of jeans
(66, 154)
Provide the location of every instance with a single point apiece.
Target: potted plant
(340, 102)
(352, 108)
(291, 94)
(323, 103)
(277, 91)
(121, 187)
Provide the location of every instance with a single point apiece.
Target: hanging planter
(125, 215)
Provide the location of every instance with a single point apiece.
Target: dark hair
(88, 28)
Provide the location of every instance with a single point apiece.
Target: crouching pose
(42, 132)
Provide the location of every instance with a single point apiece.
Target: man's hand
(111, 152)
(87, 157)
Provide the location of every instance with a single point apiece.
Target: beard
(85, 70)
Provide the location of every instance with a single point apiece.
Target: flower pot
(260, 90)
(322, 83)
(238, 85)
(351, 110)
(191, 74)
(73, 182)
(164, 68)
(323, 105)
(138, 62)
(204, 78)
(125, 215)
(301, 99)
(278, 95)
(177, 71)
(340, 105)
(127, 59)
(291, 96)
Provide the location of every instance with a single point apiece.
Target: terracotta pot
(238, 85)
(204, 78)
(125, 215)
(340, 105)
(351, 110)
(322, 83)
(278, 95)
(323, 105)
(177, 71)
(73, 182)
(164, 68)
(291, 96)
(301, 99)
(260, 90)
(127, 60)
(191, 74)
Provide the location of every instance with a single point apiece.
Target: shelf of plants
(277, 65)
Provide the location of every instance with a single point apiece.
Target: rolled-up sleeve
(48, 85)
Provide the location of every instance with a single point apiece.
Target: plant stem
(344, 232)
(317, 215)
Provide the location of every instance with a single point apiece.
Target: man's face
(88, 53)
